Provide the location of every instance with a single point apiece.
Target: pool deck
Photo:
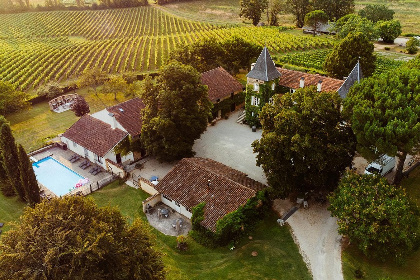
(62, 156)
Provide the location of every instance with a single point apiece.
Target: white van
(383, 165)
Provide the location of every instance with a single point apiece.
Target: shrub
(412, 45)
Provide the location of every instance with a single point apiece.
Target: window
(98, 159)
(177, 204)
(255, 101)
(271, 101)
(74, 144)
(273, 85)
(164, 196)
(256, 86)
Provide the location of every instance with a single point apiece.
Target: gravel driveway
(314, 230)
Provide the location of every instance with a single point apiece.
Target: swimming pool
(55, 176)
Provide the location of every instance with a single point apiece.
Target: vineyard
(40, 47)
(314, 59)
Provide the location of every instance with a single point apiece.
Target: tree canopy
(412, 45)
(252, 9)
(353, 23)
(378, 217)
(299, 8)
(176, 113)
(306, 144)
(342, 59)
(71, 238)
(389, 30)
(80, 107)
(316, 19)
(28, 178)
(11, 100)
(232, 54)
(385, 114)
(333, 8)
(376, 13)
(91, 78)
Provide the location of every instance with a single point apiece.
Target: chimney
(302, 82)
(113, 121)
(319, 86)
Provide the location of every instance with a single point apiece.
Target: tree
(353, 24)
(389, 30)
(176, 112)
(91, 78)
(238, 54)
(28, 178)
(306, 144)
(5, 186)
(71, 238)
(378, 217)
(116, 85)
(342, 59)
(385, 115)
(252, 9)
(50, 90)
(80, 107)
(10, 159)
(316, 19)
(299, 8)
(334, 9)
(377, 13)
(412, 45)
(275, 7)
(11, 100)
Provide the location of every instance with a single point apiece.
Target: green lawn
(352, 258)
(278, 256)
(36, 126)
(10, 210)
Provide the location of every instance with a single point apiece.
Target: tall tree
(316, 19)
(50, 90)
(274, 8)
(5, 186)
(10, 159)
(176, 113)
(299, 8)
(28, 178)
(253, 9)
(71, 238)
(116, 85)
(353, 24)
(377, 12)
(342, 59)
(306, 144)
(385, 115)
(80, 107)
(11, 100)
(334, 9)
(377, 217)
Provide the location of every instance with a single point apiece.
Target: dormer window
(256, 86)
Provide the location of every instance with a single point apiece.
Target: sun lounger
(86, 165)
(72, 157)
(83, 163)
(98, 170)
(93, 169)
(75, 159)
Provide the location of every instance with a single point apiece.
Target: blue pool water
(56, 177)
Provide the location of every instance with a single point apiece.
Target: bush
(412, 45)
(389, 30)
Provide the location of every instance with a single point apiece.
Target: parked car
(382, 166)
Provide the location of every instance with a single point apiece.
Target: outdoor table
(164, 212)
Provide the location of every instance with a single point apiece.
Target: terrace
(167, 220)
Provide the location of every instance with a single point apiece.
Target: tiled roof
(94, 135)
(187, 184)
(264, 69)
(221, 84)
(355, 76)
(291, 79)
(128, 114)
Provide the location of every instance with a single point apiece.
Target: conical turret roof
(264, 69)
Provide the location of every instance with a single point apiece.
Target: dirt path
(315, 232)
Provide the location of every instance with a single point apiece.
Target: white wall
(106, 118)
(180, 209)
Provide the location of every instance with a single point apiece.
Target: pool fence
(94, 186)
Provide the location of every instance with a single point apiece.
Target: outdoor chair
(75, 159)
(97, 171)
(72, 157)
(83, 163)
(86, 165)
(93, 169)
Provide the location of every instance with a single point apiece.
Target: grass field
(278, 256)
(352, 258)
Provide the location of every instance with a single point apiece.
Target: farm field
(63, 43)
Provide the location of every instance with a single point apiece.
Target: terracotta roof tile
(187, 184)
(94, 135)
(128, 114)
(220, 83)
(291, 79)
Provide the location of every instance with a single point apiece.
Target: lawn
(352, 258)
(278, 256)
(34, 127)
(10, 210)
